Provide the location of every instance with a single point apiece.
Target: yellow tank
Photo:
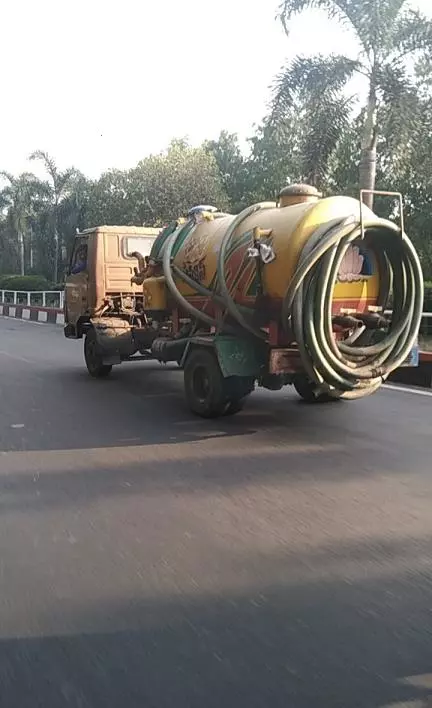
(286, 228)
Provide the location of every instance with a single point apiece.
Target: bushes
(24, 282)
(428, 296)
(29, 283)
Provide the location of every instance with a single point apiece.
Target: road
(280, 558)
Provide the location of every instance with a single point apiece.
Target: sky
(103, 83)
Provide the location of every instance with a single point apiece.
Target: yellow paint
(155, 293)
(290, 228)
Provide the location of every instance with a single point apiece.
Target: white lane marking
(15, 356)
(407, 389)
(18, 425)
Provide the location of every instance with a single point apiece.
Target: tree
(389, 34)
(233, 168)
(18, 199)
(167, 185)
(312, 113)
(74, 211)
(110, 199)
(58, 186)
(410, 171)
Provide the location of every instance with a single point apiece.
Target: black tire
(93, 357)
(306, 390)
(234, 406)
(204, 384)
(239, 389)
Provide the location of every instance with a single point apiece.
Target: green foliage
(427, 307)
(165, 186)
(60, 187)
(47, 213)
(391, 36)
(234, 169)
(24, 283)
(309, 96)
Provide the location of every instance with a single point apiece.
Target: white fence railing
(55, 299)
(35, 298)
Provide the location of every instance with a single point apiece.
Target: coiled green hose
(348, 370)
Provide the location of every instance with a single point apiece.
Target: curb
(49, 315)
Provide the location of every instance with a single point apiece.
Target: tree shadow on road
(333, 644)
(38, 481)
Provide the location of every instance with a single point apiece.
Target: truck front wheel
(93, 357)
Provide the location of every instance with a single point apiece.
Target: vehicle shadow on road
(333, 644)
(146, 406)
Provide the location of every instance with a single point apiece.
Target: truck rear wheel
(204, 384)
(93, 357)
(208, 393)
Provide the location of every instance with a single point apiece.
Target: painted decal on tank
(356, 266)
(195, 251)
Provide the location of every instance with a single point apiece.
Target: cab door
(76, 287)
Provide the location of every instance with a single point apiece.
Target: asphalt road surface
(280, 558)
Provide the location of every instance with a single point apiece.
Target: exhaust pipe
(164, 349)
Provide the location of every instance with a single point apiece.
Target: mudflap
(240, 357)
(237, 356)
(115, 339)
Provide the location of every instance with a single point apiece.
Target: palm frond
(4, 175)
(49, 162)
(63, 181)
(380, 25)
(369, 20)
(307, 77)
(325, 124)
(290, 8)
(400, 112)
(374, 22)
(412, 33)
(310, 101)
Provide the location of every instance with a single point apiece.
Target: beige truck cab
(99, 281)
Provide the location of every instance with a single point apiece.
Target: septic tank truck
(296, 292)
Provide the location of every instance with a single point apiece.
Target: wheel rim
(201, 383)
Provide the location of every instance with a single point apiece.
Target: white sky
(102, 83)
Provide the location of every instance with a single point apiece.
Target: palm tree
(391, 37)
(18, 198)
(58, 186)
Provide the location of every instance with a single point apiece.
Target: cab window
(142, 244)
(79, 259)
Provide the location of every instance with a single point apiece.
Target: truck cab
(100, 272)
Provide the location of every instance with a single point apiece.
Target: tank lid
(300, 190)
